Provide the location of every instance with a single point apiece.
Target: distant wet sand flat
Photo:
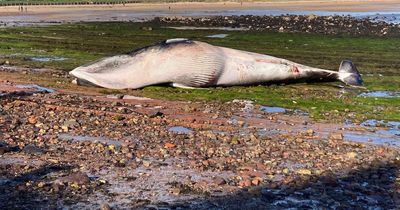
(107, 12)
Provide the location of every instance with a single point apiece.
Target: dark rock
(32, 149)
(219, 181)
(78, 178)
(155, 113)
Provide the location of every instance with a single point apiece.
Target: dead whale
(193, 64)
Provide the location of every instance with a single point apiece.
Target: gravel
(218, 165)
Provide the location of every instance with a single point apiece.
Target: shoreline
(33, 15)
(290, 5)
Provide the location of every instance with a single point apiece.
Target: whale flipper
(349, 74)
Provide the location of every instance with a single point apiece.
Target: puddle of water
(37, 87)
(394, 132)
(272, 109)
(372, 139)
(47, 59)
(381, 94)
(180, 130)
(381, 123)
(393, 127)
(218, 36)
(78, 138)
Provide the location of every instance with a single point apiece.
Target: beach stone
(303, 171)
(32, 149)
(219, 181)
(104, 206)
(351, 155)
(336, 136)
(3, 150)
(70, 123)
(32, 119)
(79, 178)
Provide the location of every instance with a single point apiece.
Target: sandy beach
(291, 5)
(107, 12)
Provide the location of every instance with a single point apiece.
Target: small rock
(256, 181)
(255, 190)
(121, 163)
(32, 149)
(351, 155)
(310, 132)
(3, 150)
(219, 181)
(155, 113)
(311, 17)
(70, 123)
(336, 136)
(304, 171)
(116, 96)
(41, 184)
(104, 206)
(175, 191)
(169, 145)
(146, 163)
(245, 183)
(32, 119)
(79, 178)
(285, 171)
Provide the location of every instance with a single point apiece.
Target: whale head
(105, 72)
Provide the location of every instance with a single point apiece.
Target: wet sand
(126, 12)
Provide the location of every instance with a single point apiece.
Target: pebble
(303, 171)
(175, 191)
(104, 206)
(78, 178)
(32, 119)
(155, 113)
(32, 149)
(351, 155)
(336, 136)
(219, 181)
(146, 163)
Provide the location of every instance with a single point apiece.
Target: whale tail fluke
(349, 74)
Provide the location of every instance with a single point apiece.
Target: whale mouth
(80, 81)
(83, 82)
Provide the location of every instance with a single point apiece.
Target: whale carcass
(194, 64)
